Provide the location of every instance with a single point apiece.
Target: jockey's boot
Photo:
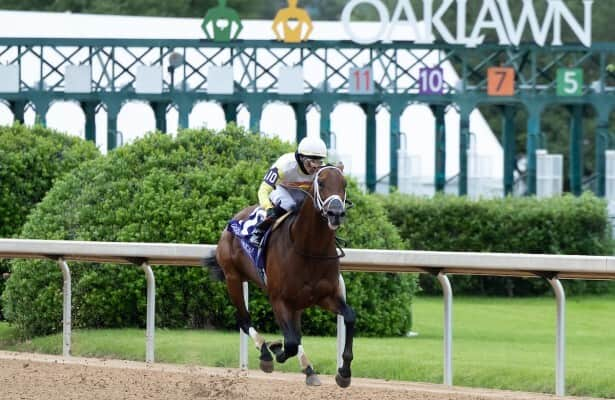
(259, 230)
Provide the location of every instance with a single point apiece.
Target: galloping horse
(302, 270)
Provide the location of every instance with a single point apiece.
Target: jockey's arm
(270, 180)
(235, 18)
(263, 195)
(279, 18)
(208, 18)
(310, 27)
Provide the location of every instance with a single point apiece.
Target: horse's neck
(311, 229)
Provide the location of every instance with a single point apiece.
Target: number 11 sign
(361, 81)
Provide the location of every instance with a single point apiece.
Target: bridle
(323, 205)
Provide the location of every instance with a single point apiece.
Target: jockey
(291, 169)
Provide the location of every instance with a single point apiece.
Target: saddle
(242, 229)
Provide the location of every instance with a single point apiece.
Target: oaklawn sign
(494, 14)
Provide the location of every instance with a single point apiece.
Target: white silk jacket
(285, 170)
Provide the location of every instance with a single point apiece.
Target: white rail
(551, 267)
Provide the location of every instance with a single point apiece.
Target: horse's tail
(215, 271)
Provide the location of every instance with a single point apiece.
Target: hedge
(558, 225)
(31, 159)
(181, 190)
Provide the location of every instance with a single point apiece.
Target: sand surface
(48, 377)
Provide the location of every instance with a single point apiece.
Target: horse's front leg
(343, 373)
(339, 306)
(287, 320)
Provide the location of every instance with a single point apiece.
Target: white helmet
(312, 146)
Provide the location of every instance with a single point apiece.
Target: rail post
(243, 338)
(67, 308)
(151, 312)
(341, 327)
(448, 327)
(560, 337)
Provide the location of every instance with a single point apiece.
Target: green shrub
(558, 225)
(30, 161)
(179, 190)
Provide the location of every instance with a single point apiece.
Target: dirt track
(35, 376)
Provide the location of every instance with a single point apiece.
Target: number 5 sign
(500, 81)
(569, 82)
(361, 81)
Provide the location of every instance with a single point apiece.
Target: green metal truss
(114, 64)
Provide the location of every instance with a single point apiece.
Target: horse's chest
(313, 292)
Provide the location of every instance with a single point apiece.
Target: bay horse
(302, 270)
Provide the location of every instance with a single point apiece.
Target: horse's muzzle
(335, 214)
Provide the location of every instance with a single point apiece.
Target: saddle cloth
(242, 229)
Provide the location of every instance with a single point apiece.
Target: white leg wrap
(303, 360)
(258, 339)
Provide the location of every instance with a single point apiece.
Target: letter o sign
(383, 15)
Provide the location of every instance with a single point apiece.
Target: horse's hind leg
(235, 290)
(226, 257)
(311, 379)
(283, 352)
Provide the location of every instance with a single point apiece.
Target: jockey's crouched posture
(291, 169)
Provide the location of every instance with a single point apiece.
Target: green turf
(497, 343)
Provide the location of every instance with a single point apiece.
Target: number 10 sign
(431, 81)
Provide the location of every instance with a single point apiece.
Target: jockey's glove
(275, 212)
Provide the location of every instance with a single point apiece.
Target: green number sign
(569, 82)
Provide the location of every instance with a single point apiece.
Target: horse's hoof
(312, 380)
(341, 381)
(267, 366)
(266, 359)
(277, 348)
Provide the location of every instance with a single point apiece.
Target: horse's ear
(340, 165)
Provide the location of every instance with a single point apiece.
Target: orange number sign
(500, 81)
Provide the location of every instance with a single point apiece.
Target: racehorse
(302, 270)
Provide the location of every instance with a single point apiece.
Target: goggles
(314, 162)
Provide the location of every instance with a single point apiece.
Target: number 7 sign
(500, 81)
